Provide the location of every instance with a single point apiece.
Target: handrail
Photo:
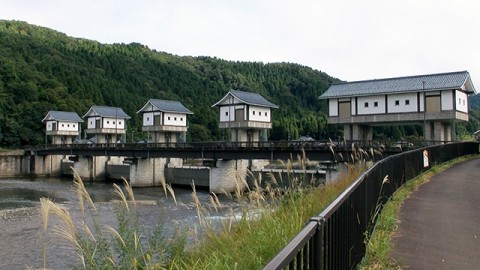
(339, 233)
(296, 144)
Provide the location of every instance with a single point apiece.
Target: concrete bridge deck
(439, 224)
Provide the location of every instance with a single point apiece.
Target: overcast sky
(350, 40)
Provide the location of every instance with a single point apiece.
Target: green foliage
(42, 69)
(247, 243)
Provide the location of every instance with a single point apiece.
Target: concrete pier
(91, 168)
(228, 175)
(147, 172)
(14, 164)
(218, 176)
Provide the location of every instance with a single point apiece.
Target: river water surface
(21, 226)
(20, 221)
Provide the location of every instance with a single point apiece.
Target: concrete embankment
(20, 163)
(14, 164)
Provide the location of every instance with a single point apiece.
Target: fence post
(317, 248)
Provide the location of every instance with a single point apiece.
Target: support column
(361, 133)
(428, 136)
(347, 132)
(228, 175)
(56, 139)
(91, 168)
(147, 172)
(438, 132)
(448, 132)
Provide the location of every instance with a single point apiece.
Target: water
(21, 226)
(20, 221)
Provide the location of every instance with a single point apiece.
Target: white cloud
(351, 40)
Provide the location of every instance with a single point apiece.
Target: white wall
(112, 123)
(91, 122)
(227, 113)
(62, 126)
(175, 119)
(107, 123)
(148, 119)
(406, 103)
(67, 126)
(422, 101)
(371, 109)
(259, 114)
(49, 125)
(333, 107)
(353, 107)
(447, 100)
(462, 101)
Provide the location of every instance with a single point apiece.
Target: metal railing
(222, 145)
(335, 239)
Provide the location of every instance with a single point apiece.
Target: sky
(350, 40)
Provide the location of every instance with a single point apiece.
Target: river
(20, 221)
(21, 225)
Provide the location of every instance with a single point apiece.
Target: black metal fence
(335, 239)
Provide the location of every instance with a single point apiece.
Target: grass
(100, 246)
(269, 219)
(380, 244)
(252, 241)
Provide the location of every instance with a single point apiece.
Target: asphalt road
(439, 225)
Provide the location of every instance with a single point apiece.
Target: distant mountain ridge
(42, 69)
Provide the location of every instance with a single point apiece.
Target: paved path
(440, 223)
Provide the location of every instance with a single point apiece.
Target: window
(407, 102)
(63, 125)
(375, 104)
(169, 118)
(108, 122)
(397, 102)
(181, 119)
(119, 122)
(148, 119)
(366, 104)
(226, 113)
(175, 118)
(464, 102)
(114, 122)
(73, 125)
(253, 112)
(68, 125)
(459, 101)
(265, 113)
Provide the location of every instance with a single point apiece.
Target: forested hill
(42, 69)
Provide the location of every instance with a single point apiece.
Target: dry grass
(269, 218)
(265, 227)
(105, 247)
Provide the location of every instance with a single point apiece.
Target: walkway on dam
(439, 224)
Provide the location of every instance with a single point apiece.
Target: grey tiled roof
(250, 99)
(168, 106)
(112, 112)
(430, 82)
(63, 116)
